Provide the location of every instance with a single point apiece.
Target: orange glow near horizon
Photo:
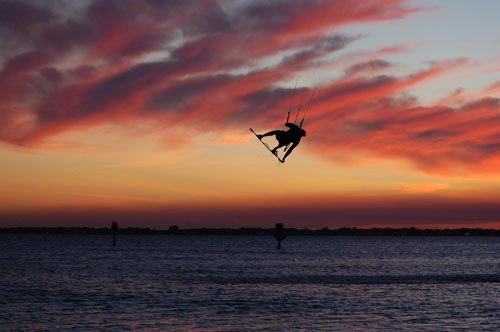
(235, 176)
(146, 118)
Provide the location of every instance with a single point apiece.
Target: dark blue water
(242, 283)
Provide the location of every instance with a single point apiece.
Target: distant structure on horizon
(279, 233)
(114, 228)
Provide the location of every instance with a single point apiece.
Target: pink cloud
(94, 68)
(368, 66)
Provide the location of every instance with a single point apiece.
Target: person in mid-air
(285, 138)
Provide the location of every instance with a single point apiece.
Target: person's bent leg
(280, 145)
(290, 149)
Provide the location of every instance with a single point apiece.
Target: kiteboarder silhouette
(288, 139)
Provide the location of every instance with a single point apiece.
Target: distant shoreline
(174, 230)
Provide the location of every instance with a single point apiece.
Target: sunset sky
(139, 111)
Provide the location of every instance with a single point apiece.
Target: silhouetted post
(279, 233)
(114, 227)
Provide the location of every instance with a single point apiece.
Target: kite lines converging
(290, 139)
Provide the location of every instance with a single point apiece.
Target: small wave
(362, 280)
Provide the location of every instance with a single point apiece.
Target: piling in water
(279, 233)
(114, 228)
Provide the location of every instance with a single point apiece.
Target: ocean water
(58, 282)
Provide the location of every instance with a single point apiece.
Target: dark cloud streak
(389, 212)
(203, 65)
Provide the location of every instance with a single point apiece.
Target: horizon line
(176, 230)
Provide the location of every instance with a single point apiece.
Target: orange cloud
(216, 74)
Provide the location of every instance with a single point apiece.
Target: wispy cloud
(95, 64)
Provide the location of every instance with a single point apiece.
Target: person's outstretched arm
(271, 133)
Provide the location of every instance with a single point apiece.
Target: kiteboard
(267, 146)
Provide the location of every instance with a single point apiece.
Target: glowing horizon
(139, 111)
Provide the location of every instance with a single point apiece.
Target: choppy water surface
(240, 283)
